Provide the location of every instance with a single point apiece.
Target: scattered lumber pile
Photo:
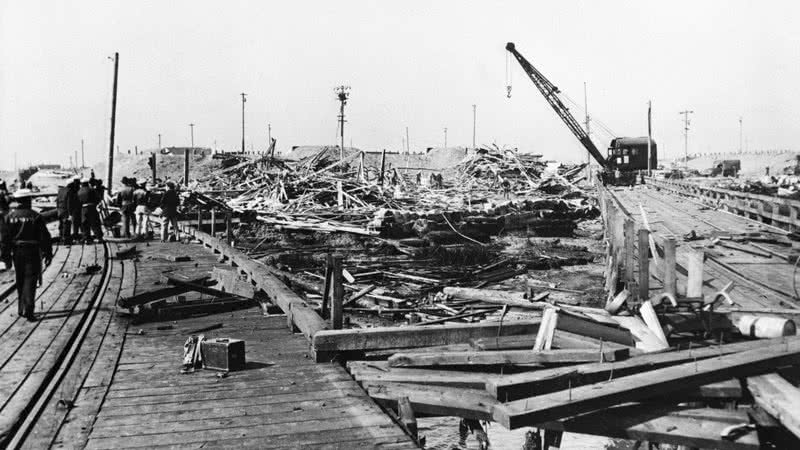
(569, 372)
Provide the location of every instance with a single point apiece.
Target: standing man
(25, 242)
(5, 201)
(142, 211)
(74, 207)
(125, 197)
(90, 220)
(62, 208)
(169, 211)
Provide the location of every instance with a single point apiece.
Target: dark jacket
(170, 202)
(73, 204)
(87, 195)
(24, 226)
(140, 197)
(5, 201)
(62, 201)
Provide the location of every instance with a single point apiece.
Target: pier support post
(694, 285)
(214, 222)
(337, 300)
(670, 275)
(644, 264)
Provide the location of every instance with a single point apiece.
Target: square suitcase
(223, 354)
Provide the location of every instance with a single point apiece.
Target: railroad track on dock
(715, 268)
(81, 297)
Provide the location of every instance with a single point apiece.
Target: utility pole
(269, 133)
(740, 134)
(186, 158)
(408, 143)
(342, 95)
(587, 119)
(474, 120)
(76, 159)
(649, 135)
(686, 123)
(445, 137)
(110, 179)
(244, 99)
(83, 160)
(159, 142)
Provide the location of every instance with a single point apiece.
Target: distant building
(49, 166)
(197, 151)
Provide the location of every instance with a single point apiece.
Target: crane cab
(628, 156)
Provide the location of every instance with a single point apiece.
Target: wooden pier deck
(86, 377)
(761, 279)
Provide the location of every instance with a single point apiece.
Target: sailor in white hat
(25, 243)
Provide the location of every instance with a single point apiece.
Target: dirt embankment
(168, 167)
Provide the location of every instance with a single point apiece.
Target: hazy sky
(420, 64)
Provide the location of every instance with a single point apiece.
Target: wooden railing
(777, 211)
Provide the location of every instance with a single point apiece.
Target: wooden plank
(505, 357)
(436, 400)
(643, 385)
(151, 296)
(779, 398)
(670, 274)
(298, 311)
(416, 336)
(561, 339)
(644, 263)
(575, 324)
(517, 386)
(692, 427)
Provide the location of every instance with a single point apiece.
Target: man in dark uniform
(125, 197)
(25, 242)
(5, 200)
(62, 208)
(90, 219)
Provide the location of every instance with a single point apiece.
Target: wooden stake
(383, 166)
(326, 288)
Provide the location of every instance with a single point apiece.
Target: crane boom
(550, 93)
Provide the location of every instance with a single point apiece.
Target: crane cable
(508, 74)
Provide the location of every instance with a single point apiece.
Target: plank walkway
(759, 282)
(122, 386)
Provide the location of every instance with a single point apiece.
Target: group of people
(134, 206)
(77, 206)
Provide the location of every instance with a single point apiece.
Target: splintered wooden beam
(568, 402)
(779, 398)
(415, 336)
(436, 400)
(691, 427)
(506, 357)
(151, 296)
(521, 385)
(561, 340)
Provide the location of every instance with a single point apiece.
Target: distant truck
(726, 168)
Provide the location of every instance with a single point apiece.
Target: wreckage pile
(325, 193)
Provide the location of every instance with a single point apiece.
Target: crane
(550, 93)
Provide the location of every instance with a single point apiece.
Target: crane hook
(508, 89)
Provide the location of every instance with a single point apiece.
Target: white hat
(23, 193)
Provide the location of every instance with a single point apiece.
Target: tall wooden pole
(110, 179)
(83, 160)
(186, 158)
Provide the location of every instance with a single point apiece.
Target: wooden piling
(228, 229)
(407, 417)
(326, 288)
(199, 220)
(694, 285)
(644, 264)
(383, 166)
(670, 275)
(337, 300)
(214, 222)
(630, 240)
